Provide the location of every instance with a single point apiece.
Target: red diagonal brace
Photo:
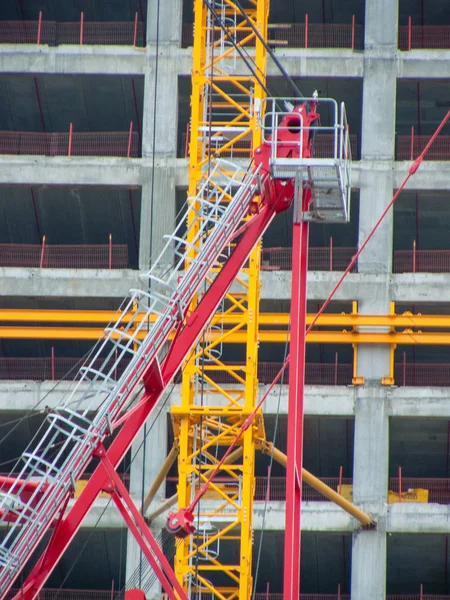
(142, 533)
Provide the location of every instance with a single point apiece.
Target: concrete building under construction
(97, 147)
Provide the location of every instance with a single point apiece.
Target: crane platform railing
(70, 436)
(328, 177)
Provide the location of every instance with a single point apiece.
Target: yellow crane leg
(233, 457)
(171, 458)
(322, 488)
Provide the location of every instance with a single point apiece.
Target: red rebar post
(306, 29)
(41, 262)
(130, 135)
(69, 151)
(39, 28)
(353, 32)
(112, 590)
(340, 481)
(135, 29)
(399, 484)
(412, 142)
(421, 591)
(53, 363)
(414, 257)
(110, 250)
(409, 33)
(268, 483)
(81, 28)
(331, 253)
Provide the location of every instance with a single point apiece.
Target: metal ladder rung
(41, 466)
(98, 374)
(8, 559)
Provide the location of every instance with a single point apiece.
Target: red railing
(414, 37)
(410, 146)
(48, 368)
(422, 375)
(302, 35)
(64, 256)
(44, 368)
(52, 33)
(319, 259)
(274, 488)
(421, 261)
(323, 147)
(105, 143)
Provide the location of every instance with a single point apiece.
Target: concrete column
(370, 483)
(371, 450)
(147, 459)
(168, 27)
(159, 143)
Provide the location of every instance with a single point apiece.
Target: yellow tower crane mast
(228, 85)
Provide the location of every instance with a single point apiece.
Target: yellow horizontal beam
(239, 337)
(104, 317)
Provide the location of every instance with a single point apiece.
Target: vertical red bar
(267, 590)
(53, 363)
(268, 484)
(69, 152)
(340, 481)
(339, 591)
(110, 250)
(130, 135)
(331, 253)
(353, 32)
(336, 358)
(412, 142)
(306, 30)
(41, 262)
(414, 256)
(135, 29)
(112, 590)
(81, 28)
(39, 28)
(399, 484)
(291, 581)
(404, 368)
(409, 33)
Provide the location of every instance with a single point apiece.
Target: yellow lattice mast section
(226, 95)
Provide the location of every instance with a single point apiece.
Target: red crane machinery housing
(284, 172)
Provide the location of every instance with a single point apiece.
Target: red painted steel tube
(53, 363)
(409, 33)
(306, 29)
(69, 151)
(41, 261)
(110, 250)
(399, 484)
(81, 28)
(39, 28)
(291, 578)
(353, 32)
(331, 253)
(135, 29)
(130, 137)
(340, 481)
(142, 533)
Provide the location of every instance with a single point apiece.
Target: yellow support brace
(224, 123)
